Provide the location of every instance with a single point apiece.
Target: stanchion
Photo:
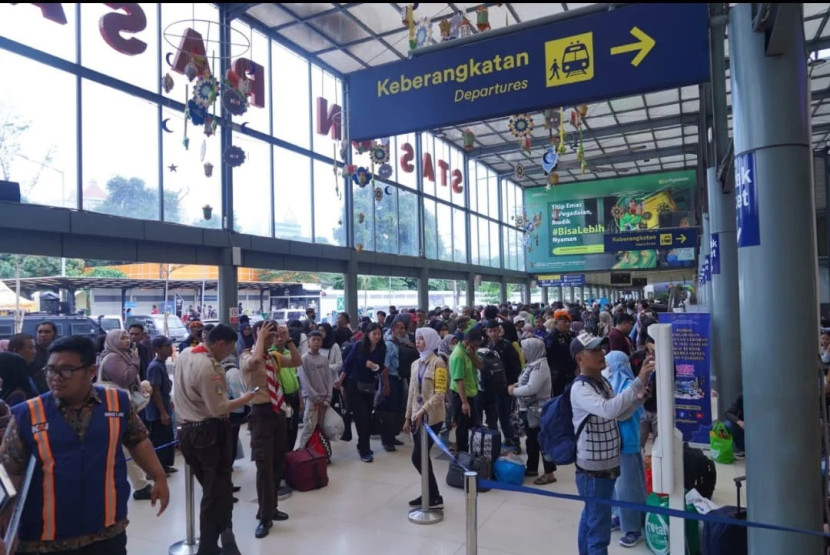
(190, 545)
(425, 515)
(471, 490)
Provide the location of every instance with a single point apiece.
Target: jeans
(737, 435)
(595, 523)
(631, 487)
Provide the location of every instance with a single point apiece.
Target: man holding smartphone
(267, 422)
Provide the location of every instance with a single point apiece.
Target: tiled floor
(364, 510)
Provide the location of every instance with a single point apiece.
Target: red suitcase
(305, 470)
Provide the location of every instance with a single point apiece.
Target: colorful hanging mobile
(208, 169)
(455, 25)
(519, 171)
(550, 160)
(362, 146)
(423, 32)
(520, 125)
(167, 83)
(562, 148)
(465, 28)
(234, 101)
(385, 171)
(378, 194)
(445, 28)
(196, 112)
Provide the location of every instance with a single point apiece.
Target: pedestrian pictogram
(569, 60)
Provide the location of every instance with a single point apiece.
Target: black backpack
(406, 356)
(492, 376)
(699, 472)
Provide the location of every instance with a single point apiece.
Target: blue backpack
(556, 436)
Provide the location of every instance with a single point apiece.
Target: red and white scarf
(275, 387)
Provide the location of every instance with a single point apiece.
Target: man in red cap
(196, 328)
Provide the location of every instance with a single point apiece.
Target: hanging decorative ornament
(359, 247)
(234, 101)
(385, 171)
(445, 27)
(521, 126)
(562, 148)
(208, 169)
(197, 112)
(550, 160)
(361, 217)
(245, 87)
(423, 32)
(362, 177)
(378, 194)
(583, 110)
(349, 170)
(234, 156)
(455, 25)
(190, 70)
(551, 118)
(379, 153)
(344, 150)
(206, 90)
(465, 29)
(203, 151)
(553, 178)
(167, 83)
(210, 126)
(362, 146)
(519, 171)
(469, 139)
(482, 18)
(410, 22)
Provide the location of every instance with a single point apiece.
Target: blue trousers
(595, 523)
(631, 487)
(737, 435)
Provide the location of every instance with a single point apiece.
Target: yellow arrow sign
(682, 239)
(644, 44)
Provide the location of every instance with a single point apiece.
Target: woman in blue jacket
(631, 484)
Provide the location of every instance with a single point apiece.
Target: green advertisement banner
(565, 226)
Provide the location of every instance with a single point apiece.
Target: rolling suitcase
(305, 469)
(455, 472)
(726, 539)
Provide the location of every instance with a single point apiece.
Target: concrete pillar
(502, 290)
(228, 292)
(471, 290)
(526, 292)
(560, 294)
(544, 296)
(423, 288)
(350, 289)
(776, 239)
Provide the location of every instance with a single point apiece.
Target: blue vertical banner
(746, 201)
(714, 257)
(707, 269)
(692, 386)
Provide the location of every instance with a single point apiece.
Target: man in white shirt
(595, 413)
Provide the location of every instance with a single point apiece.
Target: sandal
(544, 479)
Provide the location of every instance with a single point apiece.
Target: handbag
(138, 398)
(332, 425)
(366, 387)
(720, 444)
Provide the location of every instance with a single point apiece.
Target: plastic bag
(333, 425)
(657, 527)
(509, 470)
(720, 444)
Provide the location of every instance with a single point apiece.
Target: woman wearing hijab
(532, 391)
(245, 342)
(605, 323)
(119, 364)
(425, 404)
(631, 484)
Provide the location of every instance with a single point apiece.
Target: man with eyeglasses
(596, 411)
(77, 501)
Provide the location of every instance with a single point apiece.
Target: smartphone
(254, 390)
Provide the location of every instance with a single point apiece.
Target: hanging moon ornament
(550, 160)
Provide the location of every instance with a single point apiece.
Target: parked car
(66, 324)
(285, 315)
(154, 325)
(109, 321)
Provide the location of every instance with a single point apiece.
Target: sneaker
(144, 493)
(437, 503)
(398, 442)
(631, 539)
(739, 454)
(615, 523)
(389, 448)
(284, 493)
(415, 502)
(367, 458)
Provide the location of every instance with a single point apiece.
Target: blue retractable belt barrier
(627, 505)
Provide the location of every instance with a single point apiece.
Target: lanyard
(422, 370)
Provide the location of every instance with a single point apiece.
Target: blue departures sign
(651, 239)
(627, 50)
(557, 280)
(746, 200)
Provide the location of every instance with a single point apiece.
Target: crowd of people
(392, 376)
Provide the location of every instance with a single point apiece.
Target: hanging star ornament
(172, 167)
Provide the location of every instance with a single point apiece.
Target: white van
(109, 322)
(284, 315)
